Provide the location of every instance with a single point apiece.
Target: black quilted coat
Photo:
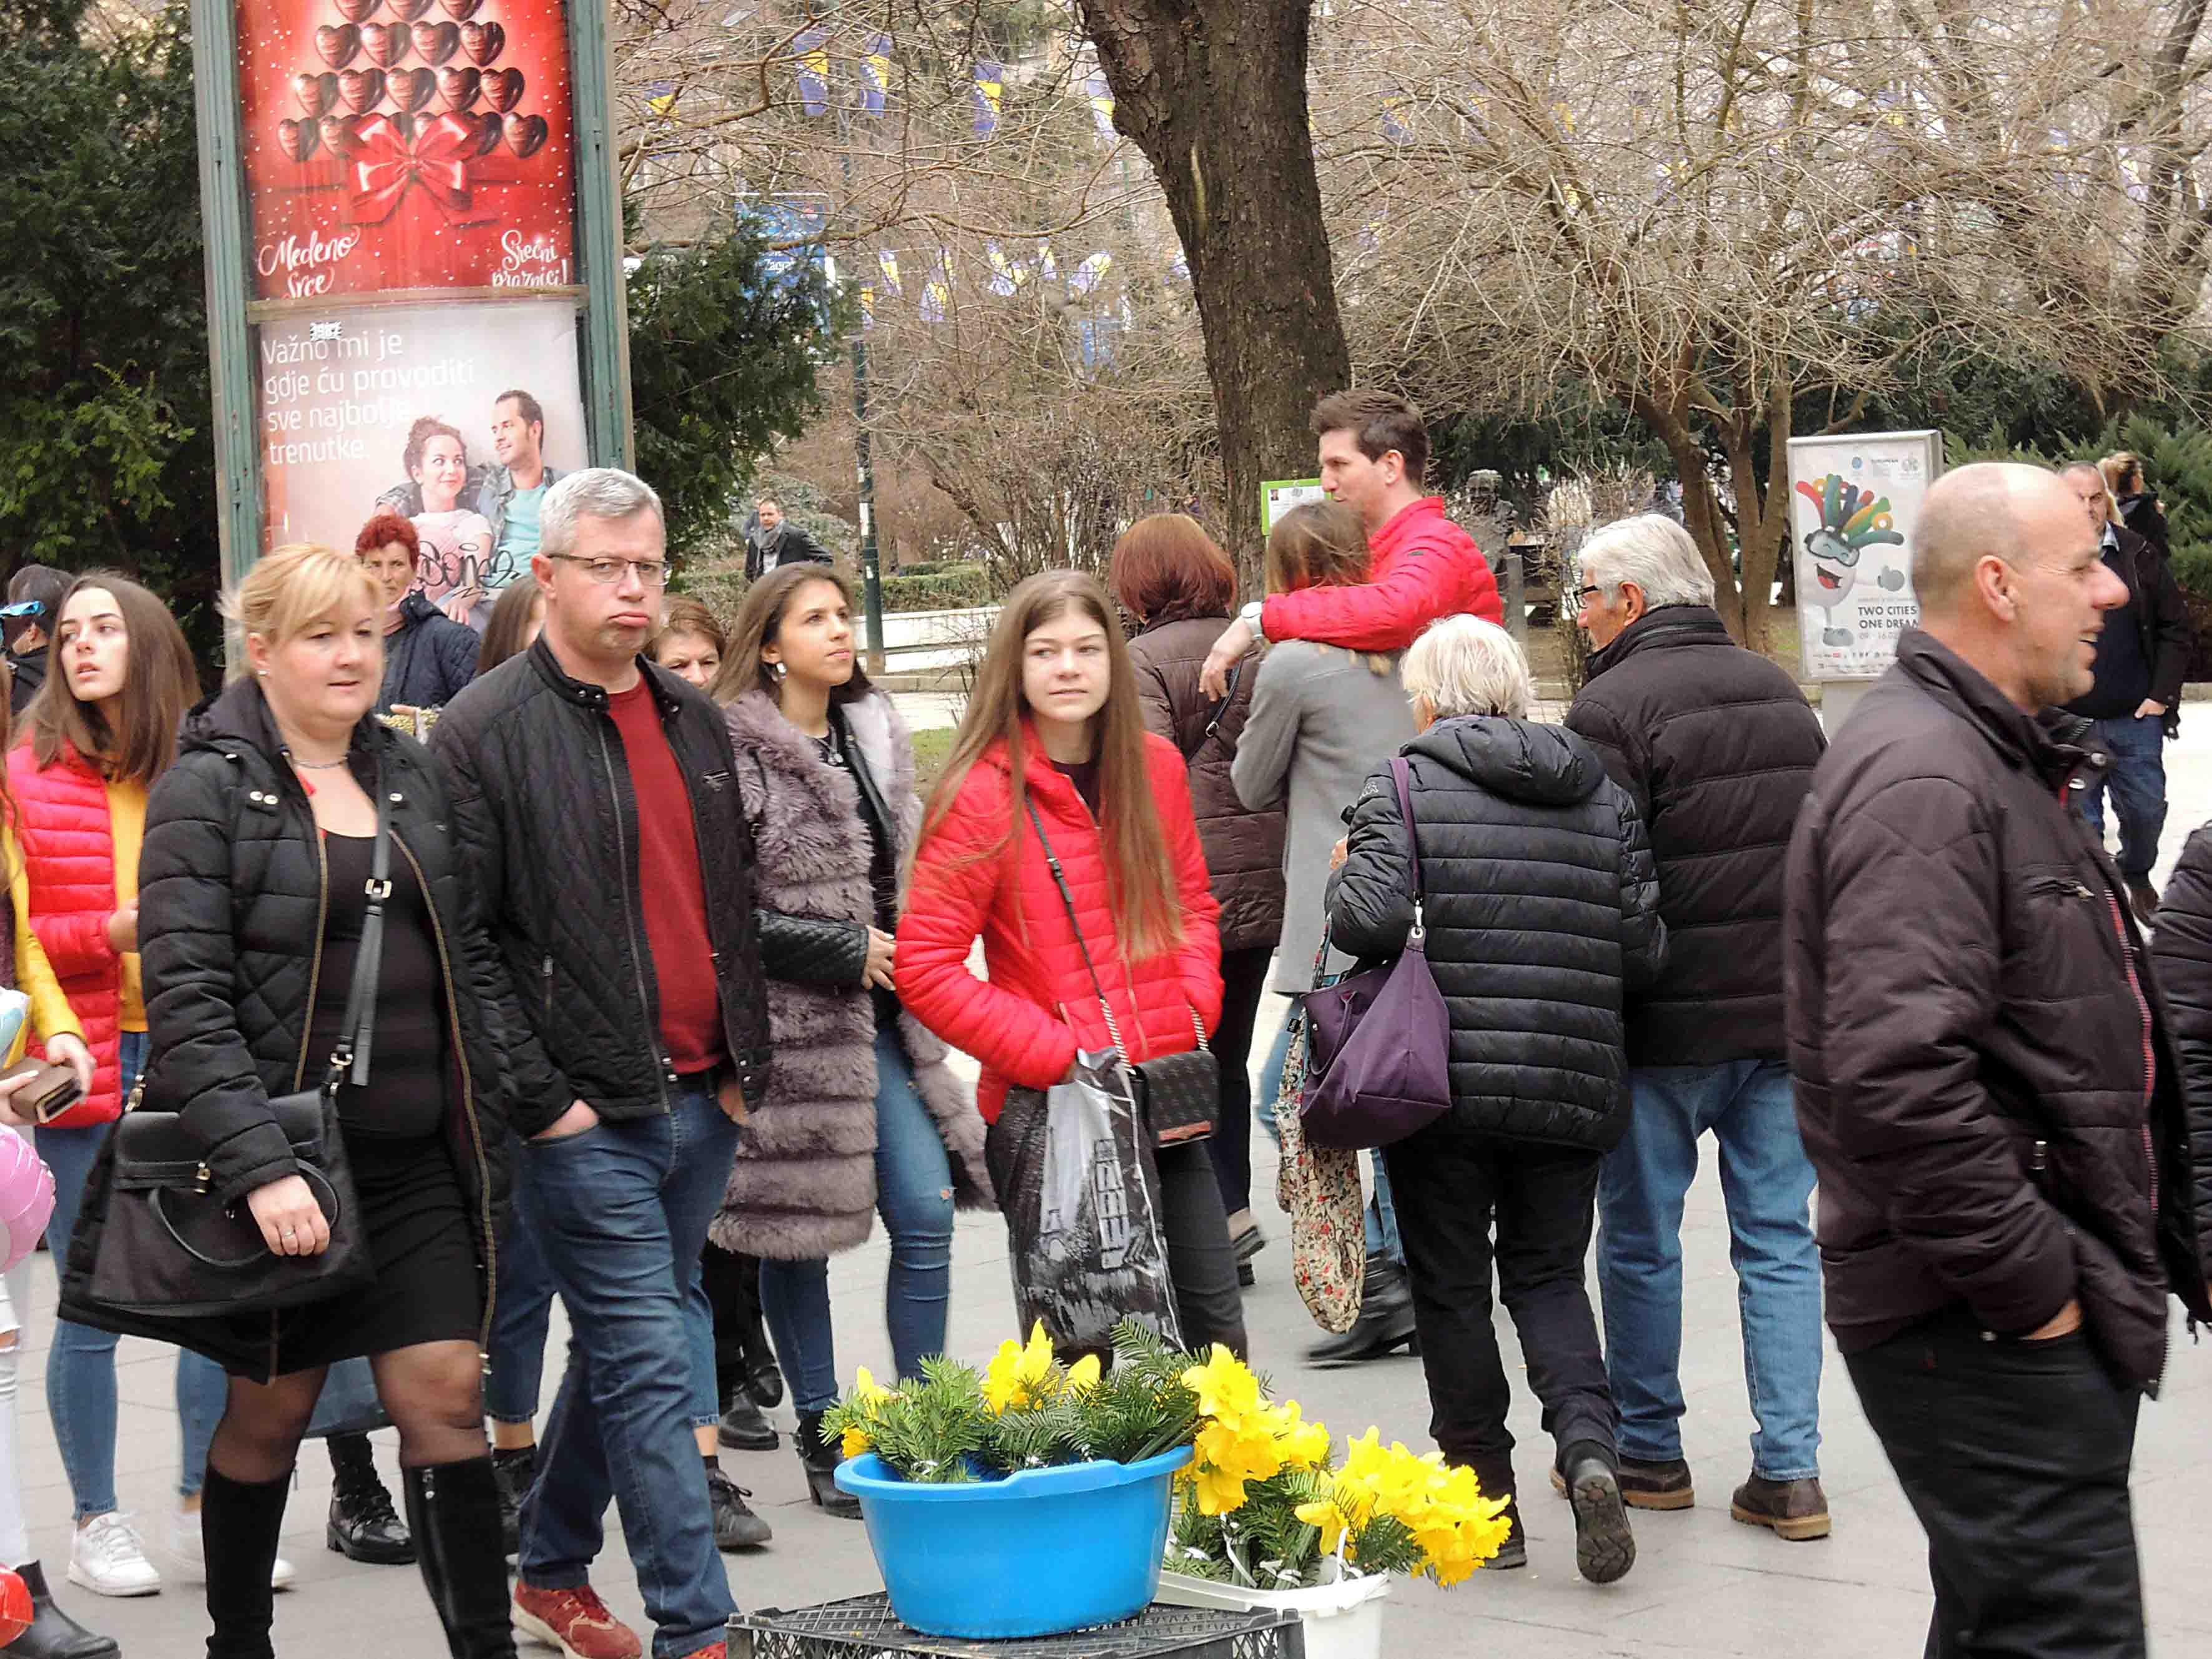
(543, 801)
(1716, 747)
(230, 894)
(1541, 906)
(1990, 1099)
(429, 660)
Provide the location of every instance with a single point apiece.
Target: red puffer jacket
(63, 827)
(1025, 1022)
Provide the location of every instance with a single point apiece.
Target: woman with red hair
(427, 656)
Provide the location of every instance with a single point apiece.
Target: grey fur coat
(804, 1183)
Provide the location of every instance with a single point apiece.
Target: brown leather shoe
(1645, 1486)
(2142, 899)
(1796, 1509)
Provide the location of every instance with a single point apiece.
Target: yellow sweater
(126, 825)
(50, 1016)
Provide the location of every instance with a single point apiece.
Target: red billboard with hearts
(407, 144)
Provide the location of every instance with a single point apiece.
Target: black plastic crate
(866, 1628)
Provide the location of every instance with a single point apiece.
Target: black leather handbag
(168, 1249)
(1179, 1095)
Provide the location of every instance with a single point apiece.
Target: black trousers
(1202, 1261)
(2014, 1455)
(732, 1282)
(1244, 981)
(1449, 1188)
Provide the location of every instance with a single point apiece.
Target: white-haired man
(1717, 746)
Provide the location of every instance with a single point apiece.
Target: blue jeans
(1767, 1182)
(81, 1370)
(2137, 777)
(522, 1312)
(914, 1193)
(622, 1210)
(1381, 1213)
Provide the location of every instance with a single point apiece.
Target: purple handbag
(1379, 1042)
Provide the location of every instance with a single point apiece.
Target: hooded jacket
(1986, 1080)
(428, 658)
(1716, 745)
(1026, 1020)
(804, 1183)
(1542, 910)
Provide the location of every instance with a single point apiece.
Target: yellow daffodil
(866, 1390)
(1304, 1445)
(1226, 1390)
(855, 1442)
(1020, 1377)
(1083, 1374)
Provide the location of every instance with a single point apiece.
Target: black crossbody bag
(168, 1249)
(1180, 1095)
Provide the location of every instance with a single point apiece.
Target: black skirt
(427, 1287)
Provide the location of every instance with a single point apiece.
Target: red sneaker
(575, 1621)
(719, 1651)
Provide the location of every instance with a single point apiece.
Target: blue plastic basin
(1035, 1554)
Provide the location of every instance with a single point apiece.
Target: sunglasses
(26, 608)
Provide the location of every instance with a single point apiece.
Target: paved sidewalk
(1702, 1585)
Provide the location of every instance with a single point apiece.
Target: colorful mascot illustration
(1852, 519)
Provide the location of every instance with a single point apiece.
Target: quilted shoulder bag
(1180, 1095)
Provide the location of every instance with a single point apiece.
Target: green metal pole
(230, 344)
(600, 240)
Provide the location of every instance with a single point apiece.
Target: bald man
(1985, 1086)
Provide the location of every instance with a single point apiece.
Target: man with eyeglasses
(27, 623)
(595, 793)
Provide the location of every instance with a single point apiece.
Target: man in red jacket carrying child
(1374, 450)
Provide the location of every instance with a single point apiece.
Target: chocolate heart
(296, 138)
(525, 134)
(411, 88)
(502, 88)
(487, 133)
(355, 11)
(481, 41)
(406, 126)
(457, 88)
(316, 93)
(461, 10)
(336, 132)
(385, 43)
(336, 44)
(361, 89)
(408, 10)
(435, 42)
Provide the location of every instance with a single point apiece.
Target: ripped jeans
(914, 1193)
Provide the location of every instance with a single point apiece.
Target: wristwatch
(1249, 616)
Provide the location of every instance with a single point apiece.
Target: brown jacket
(1985, 1079)
(1243, 849)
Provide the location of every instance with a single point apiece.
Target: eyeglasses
(651, 573)
(1582, 594)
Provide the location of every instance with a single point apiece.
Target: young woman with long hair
(100, 734)
(1055, 724)
(862, 1115)
(457, 541)
(518, 616)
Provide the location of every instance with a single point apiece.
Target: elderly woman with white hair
(1541, 908)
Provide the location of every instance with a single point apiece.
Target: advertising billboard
(1853, 501)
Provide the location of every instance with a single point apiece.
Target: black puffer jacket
(1540, 905)
(1716, 747)
(231, 886)
(543, 801)
(1968, 1036)
(2181, 958)
(429, 660)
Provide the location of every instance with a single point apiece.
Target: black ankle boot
(820, 1460)
(516, 1469)
(240, 1523)
(453, 1508)
(51, 1633)
(745, 1427)
(1385, 1322)
(363, 1526)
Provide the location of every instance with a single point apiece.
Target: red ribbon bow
(386, 163)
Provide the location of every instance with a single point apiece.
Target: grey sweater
(1322, 722)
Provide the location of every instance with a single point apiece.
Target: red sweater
(1423, 567)
(1026, 1020)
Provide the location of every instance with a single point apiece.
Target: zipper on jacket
(663, 1069)
(468, 1105)
(545, 979)
(2149, 1061)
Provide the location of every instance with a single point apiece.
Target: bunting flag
(888, 262)
(937, 292)
(813, 69)
(988, 88)
(1006, 277)
(1091, 272)
(660, 96)
(1100, 97)
(867, 307)
(875, 73)
(1047, 266)
(1397, 118)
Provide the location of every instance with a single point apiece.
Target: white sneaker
(188, 1546)
(106, 1557)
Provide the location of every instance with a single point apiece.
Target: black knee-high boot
(454, 1511)
(240, 1522)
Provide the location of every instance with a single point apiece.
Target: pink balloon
(26, 1196)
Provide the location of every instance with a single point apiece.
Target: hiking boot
(1385, 1322)
(575, 1621)
(363, 1526)
(1604, 1549)
(744, 1426)
(1795, 1509)
(736, 1527)
(1645, 1485)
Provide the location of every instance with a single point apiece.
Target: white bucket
(1343, 1620)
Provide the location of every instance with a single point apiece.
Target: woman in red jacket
(1055, 725)
(102, 728)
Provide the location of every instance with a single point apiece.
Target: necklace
(318, 766)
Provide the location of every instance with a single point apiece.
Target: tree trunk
(1213, 91)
